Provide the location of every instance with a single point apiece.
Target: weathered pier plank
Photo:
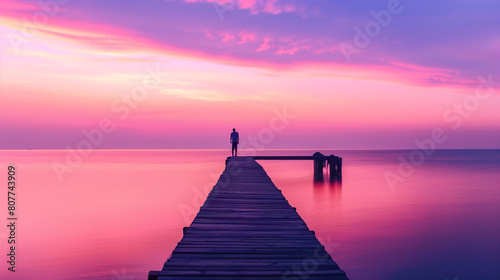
(246, 229)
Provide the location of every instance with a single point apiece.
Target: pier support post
(335, 168)
(332, 161)
(339, 167)
(319, 164)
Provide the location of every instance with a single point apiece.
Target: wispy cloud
(260, 6)
(460, 38)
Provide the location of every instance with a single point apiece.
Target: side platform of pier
(246, 229)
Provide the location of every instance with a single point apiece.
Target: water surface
(119, 213)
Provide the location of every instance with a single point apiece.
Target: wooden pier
(334, 164)
(246, 229)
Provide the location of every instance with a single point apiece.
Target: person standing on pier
(234, 139)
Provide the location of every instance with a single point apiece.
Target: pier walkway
(246, 229)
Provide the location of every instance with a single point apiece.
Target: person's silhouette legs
(234, 150)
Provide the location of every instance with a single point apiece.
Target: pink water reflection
(117, 210)
(120, 213)
(433, 226)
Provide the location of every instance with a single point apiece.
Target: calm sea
(116, 214)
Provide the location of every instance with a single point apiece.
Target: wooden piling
(318, 165)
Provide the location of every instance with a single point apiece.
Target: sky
(316, 74)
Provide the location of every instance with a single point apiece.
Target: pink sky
(182, 74)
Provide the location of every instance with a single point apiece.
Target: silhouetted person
(234, 139)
